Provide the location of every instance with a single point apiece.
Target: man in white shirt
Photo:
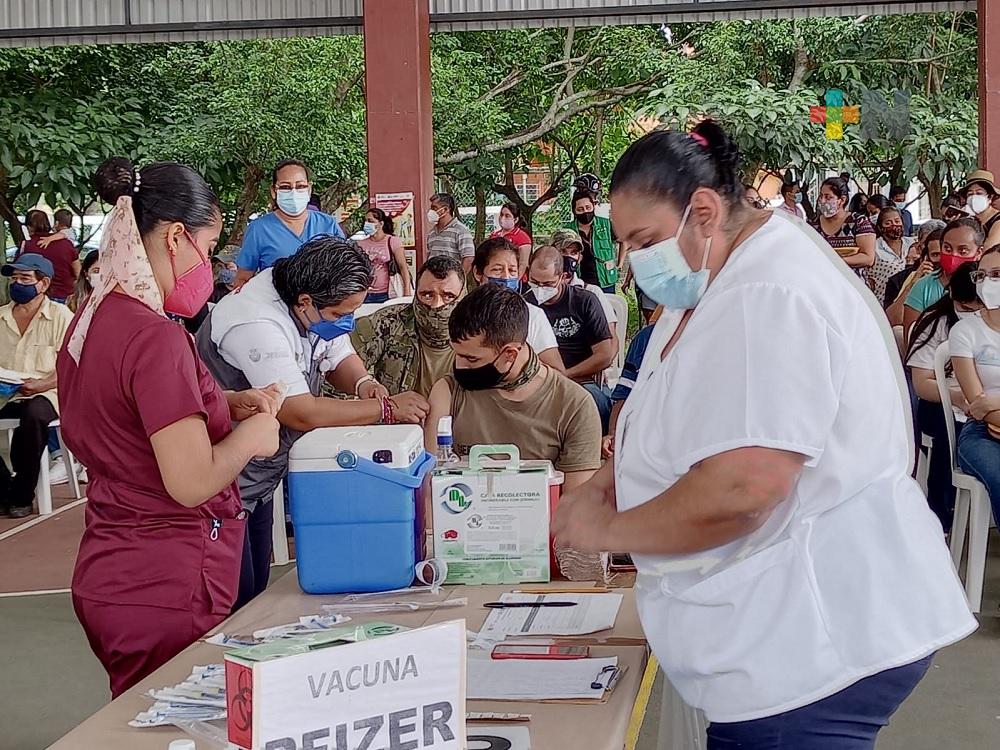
(289, 325)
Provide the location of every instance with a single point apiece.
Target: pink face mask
(192, 289)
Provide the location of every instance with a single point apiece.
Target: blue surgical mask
(369, 228)
(294, 202)
(664, 275)
(900, 205)
(513, 284)
(328, 330)
(227, 276)
(798, 198)
(22, 294)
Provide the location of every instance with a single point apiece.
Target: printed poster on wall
(399, 206)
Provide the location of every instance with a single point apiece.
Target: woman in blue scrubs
(290, 225)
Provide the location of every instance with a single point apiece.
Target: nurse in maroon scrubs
(159, 561)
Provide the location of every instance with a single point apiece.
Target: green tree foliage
(567, 99)
(62, 111)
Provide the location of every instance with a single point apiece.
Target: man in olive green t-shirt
(499, 392)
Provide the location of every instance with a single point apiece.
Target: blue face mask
(328, 330)
(513, 284)
(369, 229)
(227, 276)
(293, 202)
(22, 294)
(900, 205)
(664, 275)
(798, 198)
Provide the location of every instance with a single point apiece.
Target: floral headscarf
(124, 262)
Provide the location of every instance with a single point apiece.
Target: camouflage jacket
(387, 343)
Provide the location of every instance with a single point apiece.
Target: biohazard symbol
(243, 702)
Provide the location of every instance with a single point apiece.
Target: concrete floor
(50, 681)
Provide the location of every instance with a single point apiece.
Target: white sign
(397, 692)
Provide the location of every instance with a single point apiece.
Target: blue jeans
(848, 720)
(602, 397)
(376, 298)
(979, 456)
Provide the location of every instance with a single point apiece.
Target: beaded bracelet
(387, 409)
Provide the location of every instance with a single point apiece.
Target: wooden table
(553, 726)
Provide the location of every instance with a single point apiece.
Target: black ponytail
(670, 164)
(962, 289)
(161, 193)
(388, 225)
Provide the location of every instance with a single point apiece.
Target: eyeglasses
(983, 275)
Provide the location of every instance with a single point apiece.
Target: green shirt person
(600, 256)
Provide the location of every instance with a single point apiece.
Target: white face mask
(964, 313)
(507, 223)
(432, 217)
(664, 275)
(544, 293)
(94, 277)
(989, 292)
(979, 203)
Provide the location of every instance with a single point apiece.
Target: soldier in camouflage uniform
(406, 347)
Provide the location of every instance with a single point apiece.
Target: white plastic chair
(972, 501)
(279, 534)
(368, 308)
(924, 460)
(620, 306)
(43, 492)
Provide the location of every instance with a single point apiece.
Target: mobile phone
(522, 651)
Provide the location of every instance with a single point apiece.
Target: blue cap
(30, 262)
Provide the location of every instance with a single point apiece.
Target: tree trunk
(8, 214)
(246, 204)
(333, 197)
(801, 61)
(599, 142)
(935, 192)
(480, 232)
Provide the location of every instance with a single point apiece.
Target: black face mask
(587, 217)
(570, 264)
(481, 378)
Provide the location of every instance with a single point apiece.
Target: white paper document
(496, 736)
(12, 376)
(591, 613)
(539, 679)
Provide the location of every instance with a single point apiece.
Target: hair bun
(114, 178)
(723, 151)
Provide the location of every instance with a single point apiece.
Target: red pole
(398, 94)
(989, 84)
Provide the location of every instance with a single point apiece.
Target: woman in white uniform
(792, 581)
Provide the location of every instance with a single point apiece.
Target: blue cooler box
(353, 497)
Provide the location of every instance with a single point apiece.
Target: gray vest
(261, 477)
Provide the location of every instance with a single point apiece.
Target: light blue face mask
(294, 202)
(664, 275)
(369, 228)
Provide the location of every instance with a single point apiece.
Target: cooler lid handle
(352, 461)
